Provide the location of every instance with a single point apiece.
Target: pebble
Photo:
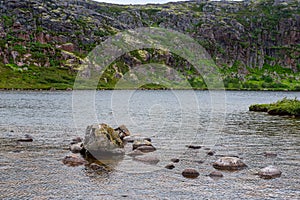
(175, 160)
(194, 147)
(190, 173)
(170, 166)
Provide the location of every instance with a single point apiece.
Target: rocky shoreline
(102, 142)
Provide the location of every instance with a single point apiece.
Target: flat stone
(211, 153)
(193, 147)
(27, 138)
(146, 149)
(139, 143)
(229, 163)
(269, 172)
(190, 173)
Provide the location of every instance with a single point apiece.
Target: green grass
(285, 106)
(33, 77)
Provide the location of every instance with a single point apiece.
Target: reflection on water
(35, 170)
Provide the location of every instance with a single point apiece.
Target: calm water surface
(173, 120)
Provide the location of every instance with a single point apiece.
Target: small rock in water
(27, 138)
(229, 163)
(74, 160)
(146, 149)
(190, 173)
(135, 152)
(170, 166)
(199, 161)
(193, 147)
(147, 159)
(76, 148)
(215, 174)
(175, 160)
(270, 154)
(139, 143)
(210, 153)
(123, 131)
(269, 172)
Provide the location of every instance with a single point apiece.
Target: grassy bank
(60, 78)
(33, 77)
(285, 106)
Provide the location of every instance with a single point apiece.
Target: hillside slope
(256, 44)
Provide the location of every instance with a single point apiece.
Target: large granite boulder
(102, 139)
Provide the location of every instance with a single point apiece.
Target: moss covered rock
(101, 138)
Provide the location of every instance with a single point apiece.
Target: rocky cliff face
(245, 35)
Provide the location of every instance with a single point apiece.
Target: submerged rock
(215, 174)
(270, 154)
(135, 152)
(147, 159)
(190, 173)
(102, 139)
(229, 163)
(269, 172)
(27, 138)
(74, 160)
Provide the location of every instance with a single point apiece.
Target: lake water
(173, 119)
